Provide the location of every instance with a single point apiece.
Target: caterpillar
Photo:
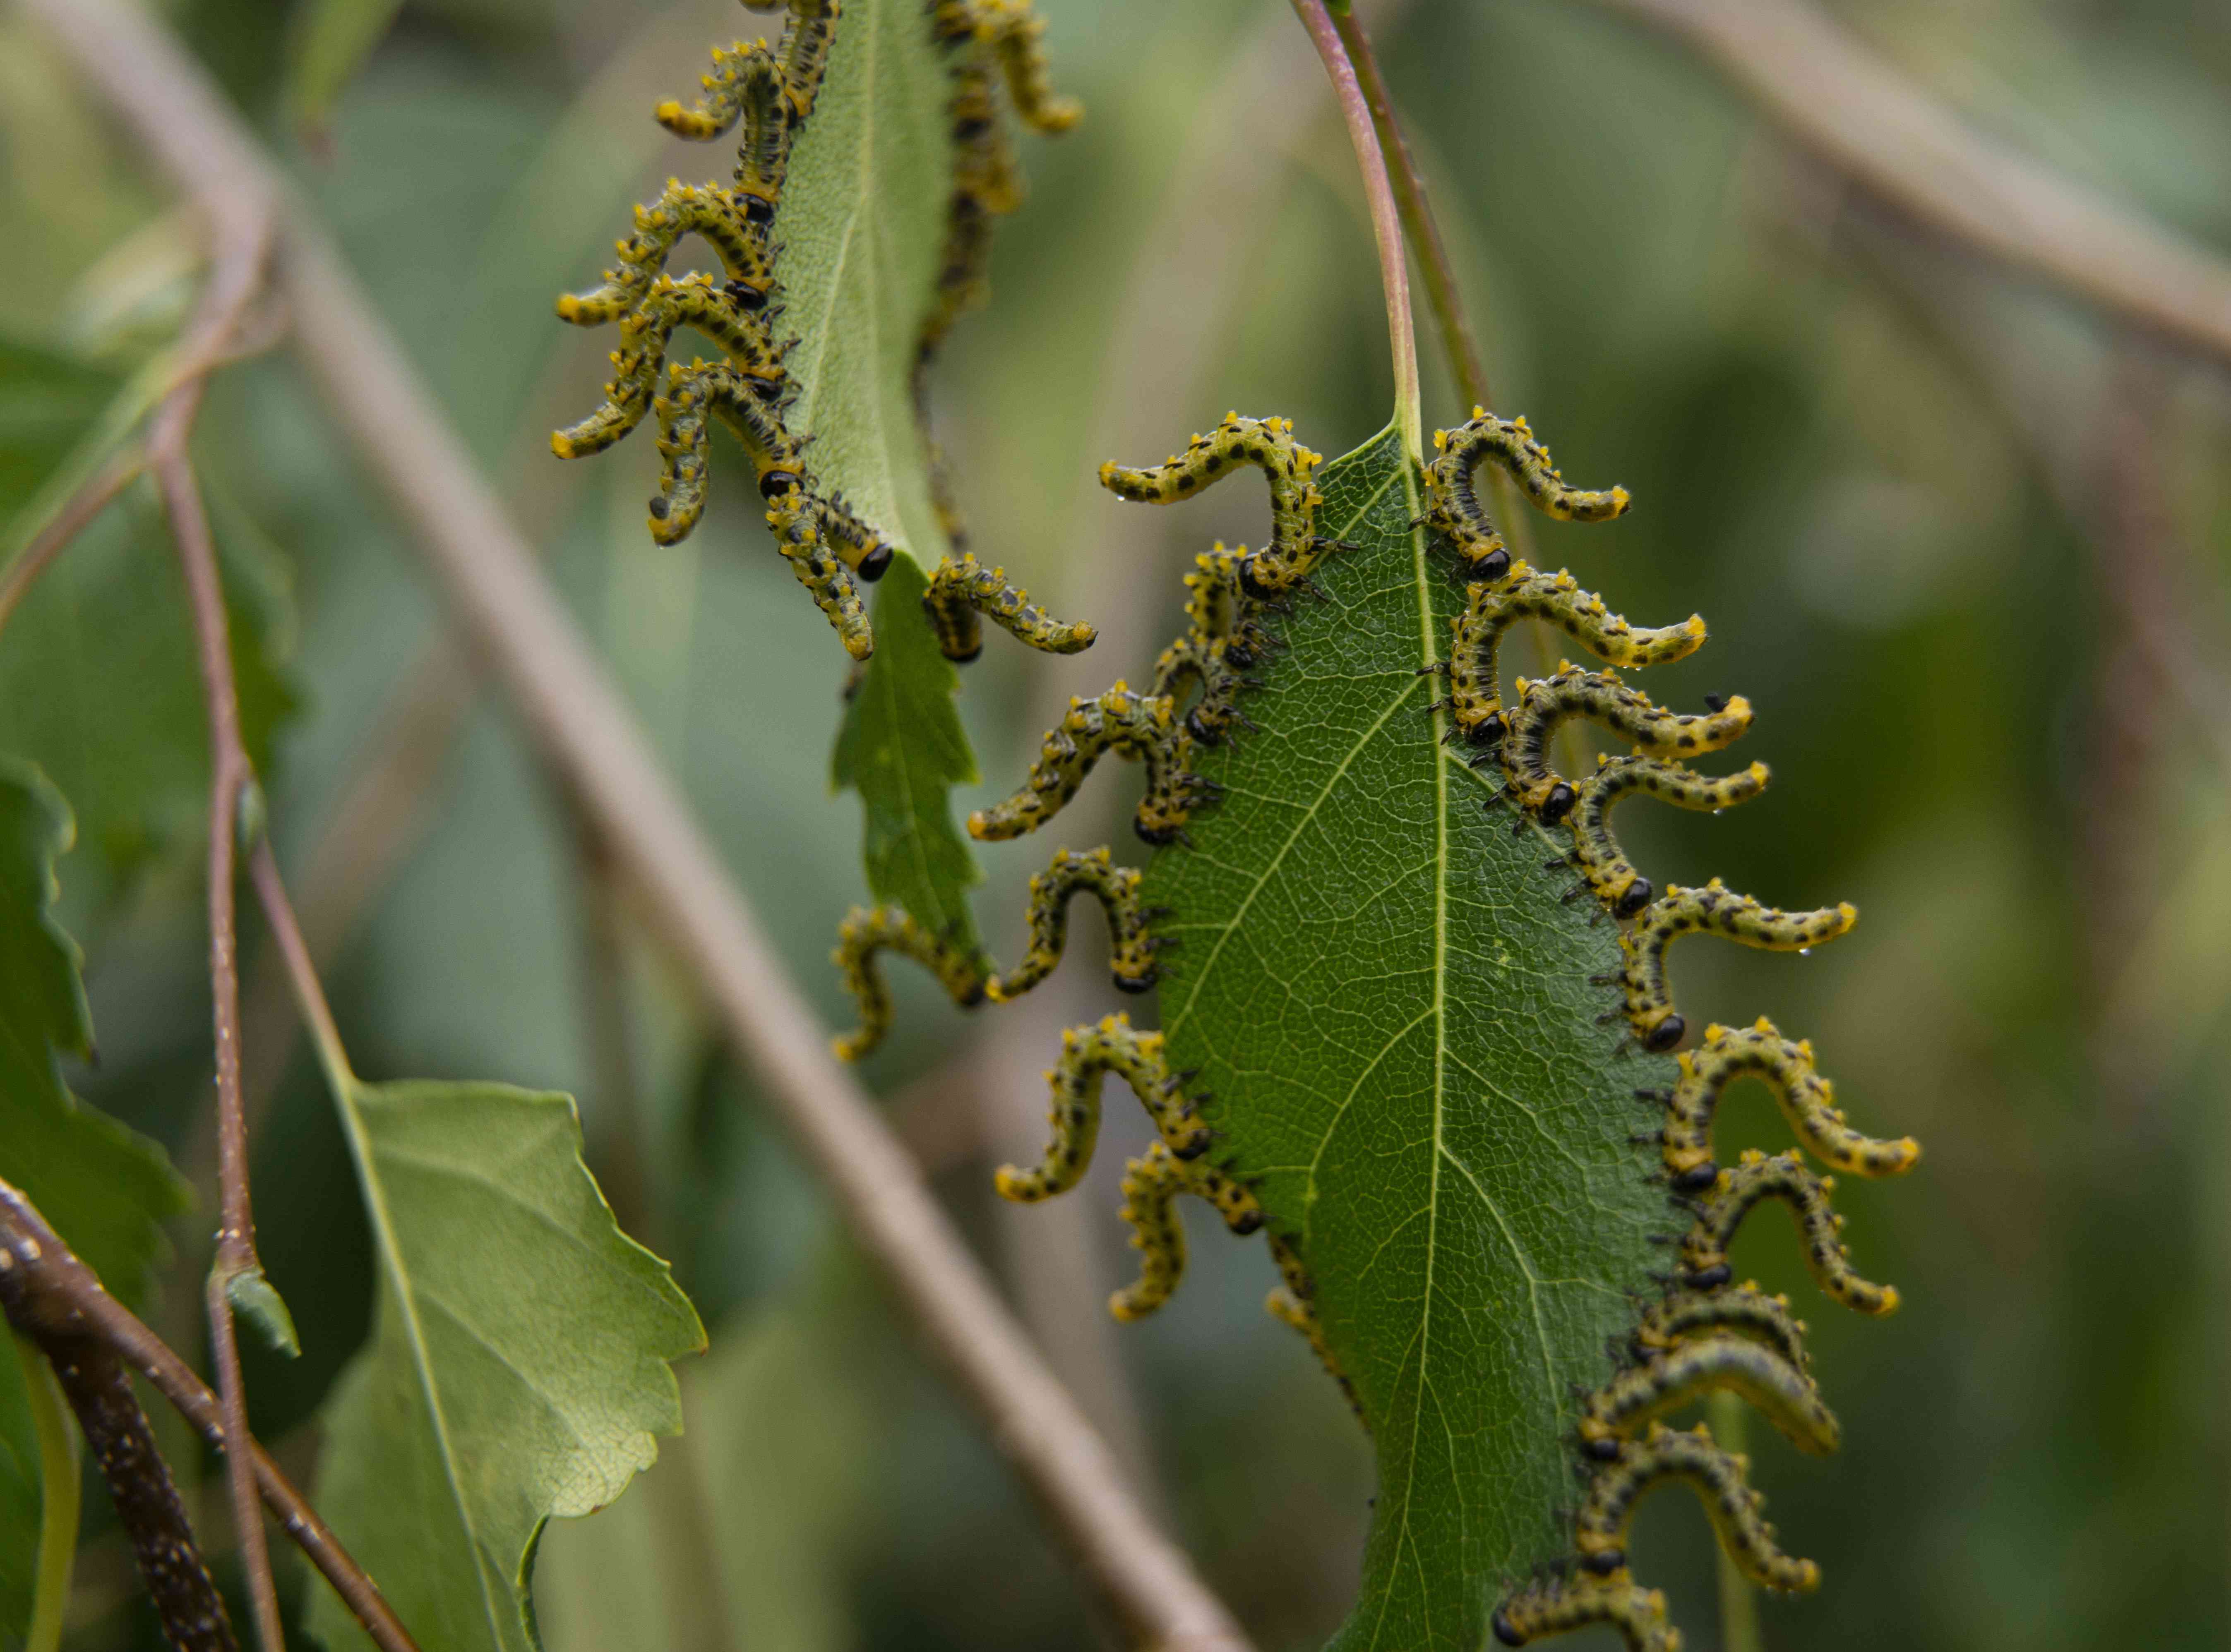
(1086, 1054)
(867, 933)
(962, 588)
(1151, 1185)
(1704, 1252)
(1807, 1102)
(767, 93)
(1132, 724)
(1454, 510)
(1706, 1333)
(1269, 445)
(1714, 909)
(1475, 701)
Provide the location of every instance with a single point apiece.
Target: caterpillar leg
(1730, 1054)
(1130, 725)
(1454, 511)
(1704, 1250)
(1086, 1054)
(1117, 888)
(1269, 445)
(963, 588)
(1151, 1185)
(1684, 1375)
(1718, 1478)
(1013, 35)
(1624, 891)
(867, 932)
(702, 210)
(1491, 609)
(1714, 909)
(1545, 704)
(1556, 1606)
(1742, 1310)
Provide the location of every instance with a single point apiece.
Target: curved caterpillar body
(1454, 510)
(1491, 609)
(1267, 444)
(1117, 888)
(867, 932)
(765, 93)
(962, 588)
(1707, 1333)
(1131, 725)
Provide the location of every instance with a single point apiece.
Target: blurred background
(1962, 542)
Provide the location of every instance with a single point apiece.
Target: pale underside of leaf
(1391, 1007)
(518, 1364)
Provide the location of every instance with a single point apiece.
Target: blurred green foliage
(1919, 502)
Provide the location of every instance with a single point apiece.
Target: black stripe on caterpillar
(1112, 1046)
(1453, 508)
(1713, 910)
(1721, 1211)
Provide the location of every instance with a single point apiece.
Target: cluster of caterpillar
(1194, 702)
(1707, 1333)
(769, 91)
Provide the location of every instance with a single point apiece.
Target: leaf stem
(77, 513)
(1379, 192)
(59, 1495)
(241, 240)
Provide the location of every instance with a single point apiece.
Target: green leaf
(100, 686)
(106, 1188)
(861, 227)
(517, 1368)
(1391, 1007)
(903, 748)
(333, 40)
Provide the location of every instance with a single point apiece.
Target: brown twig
(242, 237)
(48, 1292)
(563, 694)
(147, 1503)
(1862, 118)
(99, 492)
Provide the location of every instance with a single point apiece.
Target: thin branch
(48, 1292)
(1858, 115)
(1379, 191)
(79, 514)
(583, 728)
(242, 239)
(147, 1502)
